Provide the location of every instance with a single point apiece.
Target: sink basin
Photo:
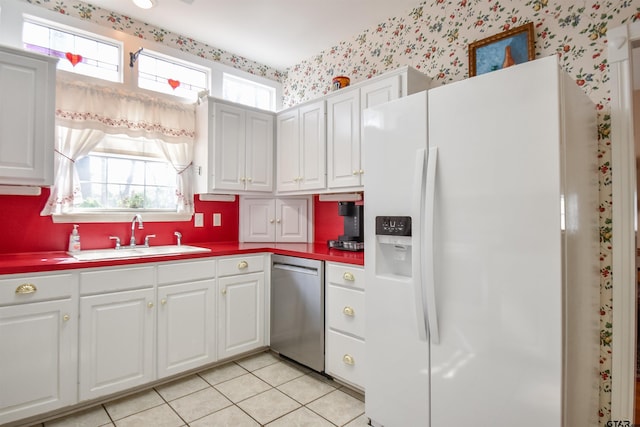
(138, 252)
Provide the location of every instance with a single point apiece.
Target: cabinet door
(291, 220)
(229, 134)
(27, 91)
(38, 358)
(241, 314)
(379, 92)
(343, 140)
(258, 218)
(288, 151)
(186, 326)
(259, 152)
(116, 342)
(313, 146)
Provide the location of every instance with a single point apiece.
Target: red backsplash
(24, 230)
(328, 225)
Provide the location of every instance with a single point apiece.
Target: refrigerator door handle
(416, 231)
(429, 241)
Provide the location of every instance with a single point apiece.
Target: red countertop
(30, 262)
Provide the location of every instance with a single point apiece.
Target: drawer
(345, 310)
(345, 358)
(345, 275)
(32, 288)
(186, 271)
(119, 279)
(240, 265)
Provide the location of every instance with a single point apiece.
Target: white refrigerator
(481, 254)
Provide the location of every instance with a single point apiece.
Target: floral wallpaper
(433, 38)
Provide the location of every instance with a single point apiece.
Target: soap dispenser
(74, 240)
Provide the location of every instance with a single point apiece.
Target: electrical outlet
(217, 220)
(198, 220)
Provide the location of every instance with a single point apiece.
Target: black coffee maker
(353, 237)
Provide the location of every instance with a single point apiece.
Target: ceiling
(277, 33)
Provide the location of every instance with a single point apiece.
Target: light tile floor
(260, 390)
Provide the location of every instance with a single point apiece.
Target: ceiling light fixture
(144, 4)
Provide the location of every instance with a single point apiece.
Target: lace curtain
(85, 112)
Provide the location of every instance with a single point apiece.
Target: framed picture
(510, 47)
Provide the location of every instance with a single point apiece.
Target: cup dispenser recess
(393, 246)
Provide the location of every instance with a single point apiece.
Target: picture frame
(510, 47)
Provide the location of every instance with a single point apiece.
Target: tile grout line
(166, 402)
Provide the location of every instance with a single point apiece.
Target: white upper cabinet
(344, 122)
(234, 148)
(301, 148)
(27, 91)
(343, 139)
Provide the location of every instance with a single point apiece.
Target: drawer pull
(242, 265)
(66, 317)
(348, 311)
(26, 288)
(348, 359)
(348, 277)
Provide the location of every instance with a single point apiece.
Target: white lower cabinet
(241, 305)
(84, 334)
(116, 341)
(345, 356)
(38, 349)
(186, 316)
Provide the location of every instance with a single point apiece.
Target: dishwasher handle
(296, 268)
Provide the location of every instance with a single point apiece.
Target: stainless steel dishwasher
(297, 310)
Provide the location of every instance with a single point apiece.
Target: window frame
(81, 33)
(177, 61)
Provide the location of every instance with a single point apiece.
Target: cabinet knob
(278, 221)
(66, 317)
(249, 179)
(361, 171)
(150, 304)
(355, 172)
(243, 179)
(348, 311)
(348, 359)
(271, 221)
(224, 291)
(242, 265)
(163, 301)
(26, 288)
(348, 276)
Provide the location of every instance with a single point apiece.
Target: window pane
(110, 179)
(78, 53)
(247, 92)
(174, 78)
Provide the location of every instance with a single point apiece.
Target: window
(79, 53)
(161, 74)
(122, 173)
(247, 92)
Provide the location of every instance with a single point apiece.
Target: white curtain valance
(80, 105)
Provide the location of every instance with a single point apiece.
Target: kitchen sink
(137, 252)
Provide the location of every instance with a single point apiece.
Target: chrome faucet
(138, 218)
